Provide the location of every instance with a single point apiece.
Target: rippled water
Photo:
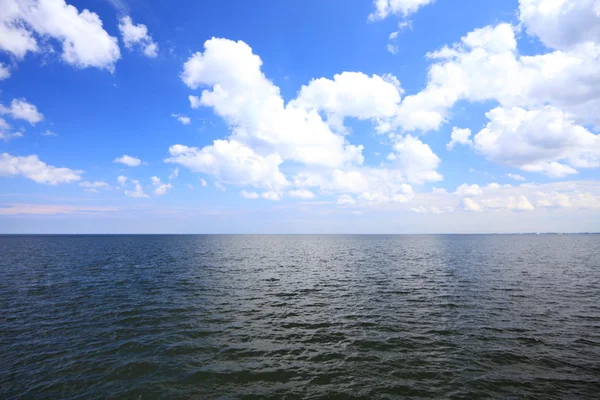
(300, 316)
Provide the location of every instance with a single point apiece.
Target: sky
(385, 116)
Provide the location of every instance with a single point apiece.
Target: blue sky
(393, 116)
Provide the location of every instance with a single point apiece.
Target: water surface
(450, 316)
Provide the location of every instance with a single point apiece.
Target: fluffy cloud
(182, 118)
(33, 168)
(516, 177)
(137, 35)
(174, 174)
(84, 41)
(556, 196)
(384, 8)
(21, 109)
(137, 192)
(301, 194)
(48, 132)
(351, 94)
(249, 195)
(416, 160)
(4, 72)
(459, 136)
(253, 108)
(561, 24)
(128, 160)
(266, 132)
(231, 162)
(159, 187)
(468, 190)
(273, 196)
(93, 187)
(485, 65)
(543, 140)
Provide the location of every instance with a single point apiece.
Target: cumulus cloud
(84, 41)
(516, 177)
(308, 131)
(416, 159)
(561, 24)
(93, 187)
(21, 109)
(255, 111)
(138, 190)
(468, 190)
(33, 168)
(128, 160)
(174, 174)
(6, 136)
(543, 140)
(459, 136)
(160, 188)
(404, 8)
(182, 118)
(273, 196)
(249, 195)
(301, 194)
(4, 72)
(137, 36)
(231, 162)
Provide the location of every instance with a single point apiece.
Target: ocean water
(285, 317)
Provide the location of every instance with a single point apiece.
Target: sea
(300, 316)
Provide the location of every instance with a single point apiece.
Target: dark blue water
(204, 317)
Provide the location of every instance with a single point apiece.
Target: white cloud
(301, 194)
(174, 174)
(33, 168)
(4, 71)
(468, 190)
(182, 118)
(51, 209)
(128, 160)
(542, 140)
(48, 132)
(392, 48)
(138, 191)
(417, 160)
(351, 94)
(265, 132)
(561, 24)
(160, 188)
(459, 136)
(469, 204)
(84, 41)
(486, 65)
(249, 195)
(404, 8)
(202, 182)
(231, 162)
(253, 108)
(4, 136)
(517, 203)
(345, 199)
(122, 180)
(221, 187)
(516, 177)
(137, 35)
(273, 196)
(21, 109)
(93, 187)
